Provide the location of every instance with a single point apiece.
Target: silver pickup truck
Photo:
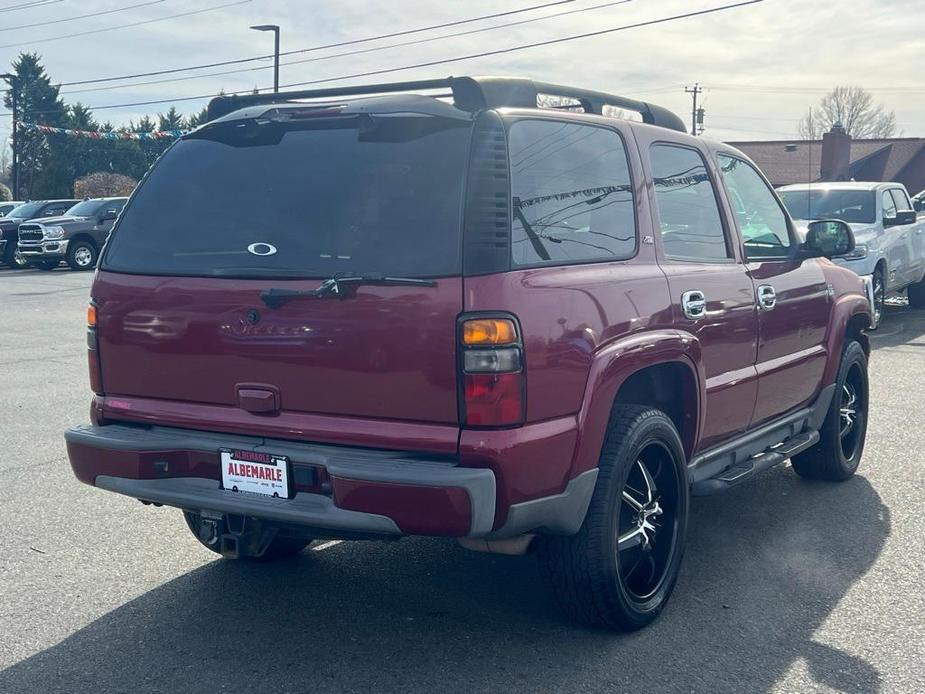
(890, 251)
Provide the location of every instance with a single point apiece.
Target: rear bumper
(353, 490)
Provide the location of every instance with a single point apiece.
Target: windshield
(28, 210)
(852, 206)
(348, 194)
(87, 208)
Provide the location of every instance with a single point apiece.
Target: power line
(239, 61)
(401, 44)
(82, 16)
(789, 89)
(35, 4)
(126, 26)
(457, 59)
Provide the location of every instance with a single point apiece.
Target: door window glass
(889, 207)
(901, 200)
(762, 221)
(689, 217)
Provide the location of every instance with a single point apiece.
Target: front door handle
(767, 297)
(694, 304)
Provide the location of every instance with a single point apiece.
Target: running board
(750, 467)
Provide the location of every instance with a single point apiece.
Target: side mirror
(828, 238)
(902, 218)
(108, 216)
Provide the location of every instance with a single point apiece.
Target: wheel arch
(851, 316)
(84, 236)
(642, 369)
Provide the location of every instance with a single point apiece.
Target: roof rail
(469, 94)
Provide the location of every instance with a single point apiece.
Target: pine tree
(172, 120)
(198, 119)
(38, 103)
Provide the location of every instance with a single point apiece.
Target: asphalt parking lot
(787, 585)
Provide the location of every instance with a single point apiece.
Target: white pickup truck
(890, 250)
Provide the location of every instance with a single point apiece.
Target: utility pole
(696, 114)
(13, 81)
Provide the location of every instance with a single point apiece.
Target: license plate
(255, 473)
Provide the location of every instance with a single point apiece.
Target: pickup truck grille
(30, 232)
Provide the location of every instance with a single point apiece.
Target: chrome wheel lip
(647, 522)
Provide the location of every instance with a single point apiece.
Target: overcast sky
(762, 65)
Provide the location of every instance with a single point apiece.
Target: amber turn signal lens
(91, 316)
(489, 331)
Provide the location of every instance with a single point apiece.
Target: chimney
(836, 154)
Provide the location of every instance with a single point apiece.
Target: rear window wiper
(339, 287)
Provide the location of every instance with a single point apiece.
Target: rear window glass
(572, 198)
(312, 198)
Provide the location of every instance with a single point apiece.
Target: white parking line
(326, 545)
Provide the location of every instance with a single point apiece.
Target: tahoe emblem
(261, 249)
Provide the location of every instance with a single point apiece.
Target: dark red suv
(362, 313)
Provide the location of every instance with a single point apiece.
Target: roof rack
(469, 94)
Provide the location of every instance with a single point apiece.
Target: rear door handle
(694, 304)
(767, 297)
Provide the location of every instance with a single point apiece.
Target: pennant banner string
(99, 135)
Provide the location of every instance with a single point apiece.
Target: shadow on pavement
(766, 564)
(900, 326)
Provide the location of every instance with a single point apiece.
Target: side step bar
(748, 468)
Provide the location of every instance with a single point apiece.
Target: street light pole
(275, 29)
(14, 98)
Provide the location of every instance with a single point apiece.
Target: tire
(841, 440)
(81, 255)
(916, 293)
(879, 296)
(279, 548)
(595, 574)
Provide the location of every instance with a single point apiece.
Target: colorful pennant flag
(97, 135)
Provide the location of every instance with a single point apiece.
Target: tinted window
(688, 213)
(571, 194)
(350, 194)
(901, 199)
(762, 223)
(852, 206)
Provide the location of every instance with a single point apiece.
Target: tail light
(93, 352)
(493, 382)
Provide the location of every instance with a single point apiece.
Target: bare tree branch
(855, 109)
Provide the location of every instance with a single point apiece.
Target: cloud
(762, 65)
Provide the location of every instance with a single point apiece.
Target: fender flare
(612, 365)
(845, 308)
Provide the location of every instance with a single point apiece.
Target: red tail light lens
(494, 399)
(493, 380)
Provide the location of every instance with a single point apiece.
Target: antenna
(809, 190)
